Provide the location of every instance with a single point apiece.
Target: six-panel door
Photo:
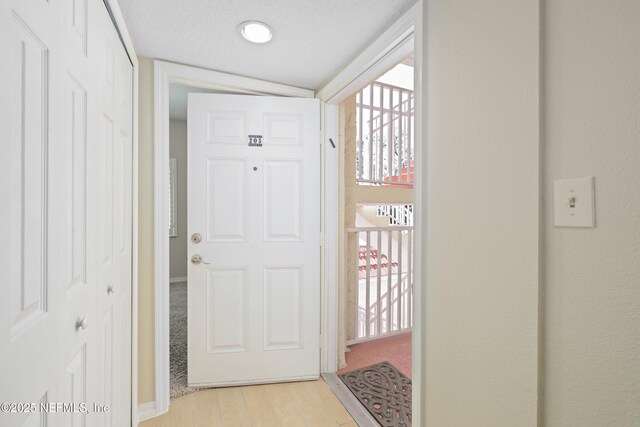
(253, 195)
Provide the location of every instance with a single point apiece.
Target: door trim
(329, 220)
(166, 73)
(125, 37)
(399, 40)
(387, 50)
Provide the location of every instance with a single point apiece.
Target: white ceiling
(313, 39)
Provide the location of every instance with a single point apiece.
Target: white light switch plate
(579, 192)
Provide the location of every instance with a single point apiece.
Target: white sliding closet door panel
(65, 266)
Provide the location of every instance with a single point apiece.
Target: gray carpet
(384, 391)
(178, 341)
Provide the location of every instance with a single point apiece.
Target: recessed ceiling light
(256, 32)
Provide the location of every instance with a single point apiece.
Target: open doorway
(248, 311)
(376, 184)
(178, 262)
(171, 262)
(168, 75)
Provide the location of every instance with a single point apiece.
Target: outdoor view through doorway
(377, 184)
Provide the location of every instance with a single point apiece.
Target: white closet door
(31, 304)
(66, 182)
(74, 179)
(113, 221)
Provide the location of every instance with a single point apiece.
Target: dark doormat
(384, 391)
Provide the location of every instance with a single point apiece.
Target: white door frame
(399, 40)
(166, 73)
(118, 20)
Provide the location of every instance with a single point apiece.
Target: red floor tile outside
(395, 350)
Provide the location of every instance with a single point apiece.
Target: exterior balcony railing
(383, 279)
(384, 135)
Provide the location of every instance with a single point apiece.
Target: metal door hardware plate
(196, 238)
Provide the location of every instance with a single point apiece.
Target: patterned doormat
(384, 391)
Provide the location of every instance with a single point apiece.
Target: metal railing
(398, 214)
(383, 280)
(384, 135)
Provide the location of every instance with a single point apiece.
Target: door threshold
(241, 383)
(360, 415)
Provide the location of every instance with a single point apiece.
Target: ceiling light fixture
(256, 32)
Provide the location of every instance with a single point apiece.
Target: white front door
(254, 198)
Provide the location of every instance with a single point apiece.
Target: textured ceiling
(313, 39)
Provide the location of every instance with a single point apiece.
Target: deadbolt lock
(196, 238)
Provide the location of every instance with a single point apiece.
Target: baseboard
(178, 279)
(146, 411)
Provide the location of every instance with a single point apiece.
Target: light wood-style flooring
(309, 403)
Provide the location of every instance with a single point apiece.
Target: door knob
(197, 259)
(81, 323)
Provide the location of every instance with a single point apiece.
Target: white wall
(482, 199)
(178, 245)
(592, 304)
(146, 280)
(483, 162)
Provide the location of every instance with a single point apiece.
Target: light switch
(574, 202)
